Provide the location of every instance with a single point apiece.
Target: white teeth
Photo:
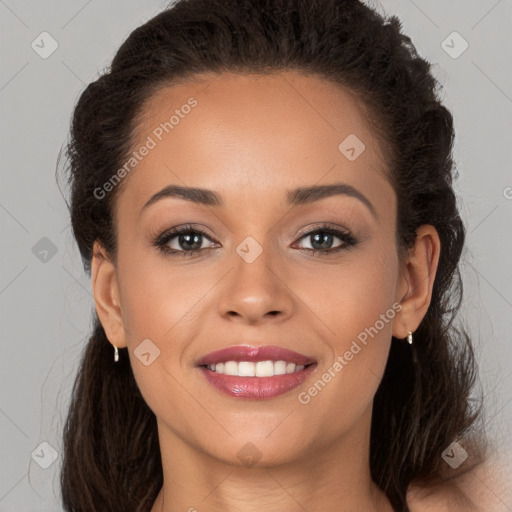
(230, 368)
(246, 369)
(279, 367)
(264, 369)
(290, 367)
(259, 369)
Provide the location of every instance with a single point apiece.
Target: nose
(257, 292)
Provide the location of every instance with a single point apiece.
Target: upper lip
(254, 354)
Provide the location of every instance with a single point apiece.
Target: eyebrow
(299, 196)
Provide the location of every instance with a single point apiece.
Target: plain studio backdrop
(45, 296)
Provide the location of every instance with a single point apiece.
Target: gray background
(45, 299)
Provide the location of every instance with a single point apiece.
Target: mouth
(256, 372)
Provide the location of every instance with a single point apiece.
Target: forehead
(264, 133)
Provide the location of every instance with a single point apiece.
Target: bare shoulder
(486, 488)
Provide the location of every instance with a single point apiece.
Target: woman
(262, 195)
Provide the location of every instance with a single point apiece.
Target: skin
(250, 139)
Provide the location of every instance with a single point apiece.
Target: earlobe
(419, 275)
(106, 296)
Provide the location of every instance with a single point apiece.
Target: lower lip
(257, 388)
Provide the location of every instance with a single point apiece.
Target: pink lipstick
(256, 372)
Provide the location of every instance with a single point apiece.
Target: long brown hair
(111, 450)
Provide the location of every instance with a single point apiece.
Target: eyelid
(318, 226)
(171, 233)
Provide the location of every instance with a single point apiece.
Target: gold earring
(116, 354)
(409, 337)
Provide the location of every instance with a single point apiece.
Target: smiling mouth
(267, 368)
(257, 373)
(260, 380)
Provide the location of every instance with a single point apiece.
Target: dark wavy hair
(111, 454)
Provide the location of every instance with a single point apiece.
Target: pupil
(187, 239)
(324, 240)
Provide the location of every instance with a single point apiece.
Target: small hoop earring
(409, 337)
(116, 354)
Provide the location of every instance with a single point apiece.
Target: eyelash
(349, 240)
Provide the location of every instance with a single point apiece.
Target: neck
(335, 477)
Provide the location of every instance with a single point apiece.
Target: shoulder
(482, 489)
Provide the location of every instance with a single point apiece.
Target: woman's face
(255, 141)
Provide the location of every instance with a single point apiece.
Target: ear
(417, 281)
(106, 296)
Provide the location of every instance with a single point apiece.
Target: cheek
(155, 297)
(158, 312)
(354, 305)
(346, 297)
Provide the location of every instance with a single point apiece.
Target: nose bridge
(255, 289)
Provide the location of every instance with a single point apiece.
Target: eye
(182, 240)
(322, 239)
